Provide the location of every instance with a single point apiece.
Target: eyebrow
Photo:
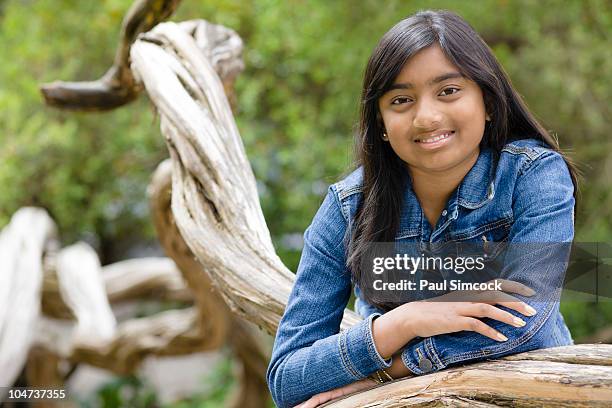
(436, 80)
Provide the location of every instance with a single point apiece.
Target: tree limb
(117, 86)
(561, 377)
(214, 198)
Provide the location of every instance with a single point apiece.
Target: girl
(448, 152)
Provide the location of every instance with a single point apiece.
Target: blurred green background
(297, 108)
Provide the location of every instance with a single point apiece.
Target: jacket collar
(477, 187)
(474, 191)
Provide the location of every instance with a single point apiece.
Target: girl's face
(433, 116)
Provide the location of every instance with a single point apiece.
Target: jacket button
(425, 365)
(444, 213)
(491, 191)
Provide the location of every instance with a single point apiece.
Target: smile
(435, 141)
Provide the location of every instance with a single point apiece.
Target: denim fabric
(525, 195)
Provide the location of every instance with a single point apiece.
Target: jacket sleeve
(543, 211)
(310, 355)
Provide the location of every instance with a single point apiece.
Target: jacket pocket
(488, 240)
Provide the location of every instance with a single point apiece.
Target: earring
(385, 137)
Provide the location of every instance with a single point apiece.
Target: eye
(449, 91)
(400, 100)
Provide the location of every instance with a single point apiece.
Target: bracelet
(380, 376)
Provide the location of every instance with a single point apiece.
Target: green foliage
(584, 318)
(123, 392)
(219, 384)
(89, 170)
(298, 105)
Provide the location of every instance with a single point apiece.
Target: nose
(426, 115)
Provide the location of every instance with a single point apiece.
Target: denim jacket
(523, 195)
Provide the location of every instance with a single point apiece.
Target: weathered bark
(132, 279)
(23, 243)
(252, 390)
(43, 371)
(572, 376)
(117, 86)
(214, 315)
(96, 340)
(82, 289)
(119, 349)
(166, 333)
(156, 278)
(214, 198)
(588, 354)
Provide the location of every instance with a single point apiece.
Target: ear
(488, 118)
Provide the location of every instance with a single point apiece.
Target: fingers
(515, 287)
(471, 310)
(475, 325)
(314, 401)
(322, 398)
(506, 300)
(326, 396)
(492, 312)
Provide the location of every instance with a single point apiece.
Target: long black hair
(384, 175)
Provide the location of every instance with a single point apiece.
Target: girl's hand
(326, 396)
(444, 314)
(451, 313)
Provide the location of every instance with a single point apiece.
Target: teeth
(436, 138)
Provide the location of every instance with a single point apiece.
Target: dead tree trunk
(215, 318)
(214, 198)
(571, 376)
(79, 326)
(117, 86)
(23, 242)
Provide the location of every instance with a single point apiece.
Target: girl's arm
(543, 210)
(310, 355)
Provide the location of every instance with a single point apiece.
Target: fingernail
(530, 310)
(529, 292)
(518, 322)
(501, 337)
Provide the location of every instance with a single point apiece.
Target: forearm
(391, 332)
(297, 372)
(440, 351)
